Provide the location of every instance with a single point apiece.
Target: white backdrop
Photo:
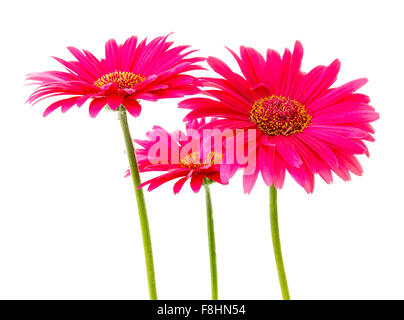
(68, 222)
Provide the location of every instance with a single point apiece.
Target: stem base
(276, 242)
(212, 243)
(141, 204)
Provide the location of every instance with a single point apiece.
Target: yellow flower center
(123, 79)
(193, 160)
(277, 115)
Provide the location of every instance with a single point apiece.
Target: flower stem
(144, 223)
(276, 242)
(212, 243)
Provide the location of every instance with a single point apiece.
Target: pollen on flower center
(193, 160)
(123, 79)
(277, 115)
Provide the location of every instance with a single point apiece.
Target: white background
(68, 220)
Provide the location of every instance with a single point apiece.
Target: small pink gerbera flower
(303, 125)
(129, 72)
(187, 156)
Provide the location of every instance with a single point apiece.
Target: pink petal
(317, 82)
(337, 94)
(215, 176)
(279, 172)
(147, 96)
(132, 106)
(179, 184)
(115, 101)
(158, 181)
(320, 148)
(196, 182)
(227, 171)
(287, 151)
(294, 70)
(249, 181)
(68, 104)
(53, 107)
(273, 69)
(96, 105)
(236, 80)
(266, 158)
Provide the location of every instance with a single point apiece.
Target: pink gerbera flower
(129, 72)
(303, 125)
(185, 156)
(182, 156)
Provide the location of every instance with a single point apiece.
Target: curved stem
(141, 204)
(276, 242)
(212, 243)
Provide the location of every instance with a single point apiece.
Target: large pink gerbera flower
(129, 72)
(182, 156)
(303, 126)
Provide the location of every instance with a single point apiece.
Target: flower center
(193, 160)
(277, 115)
(123, 79)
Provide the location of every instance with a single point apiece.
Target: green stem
(144, 223)
(212, 243)
(276, 242)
